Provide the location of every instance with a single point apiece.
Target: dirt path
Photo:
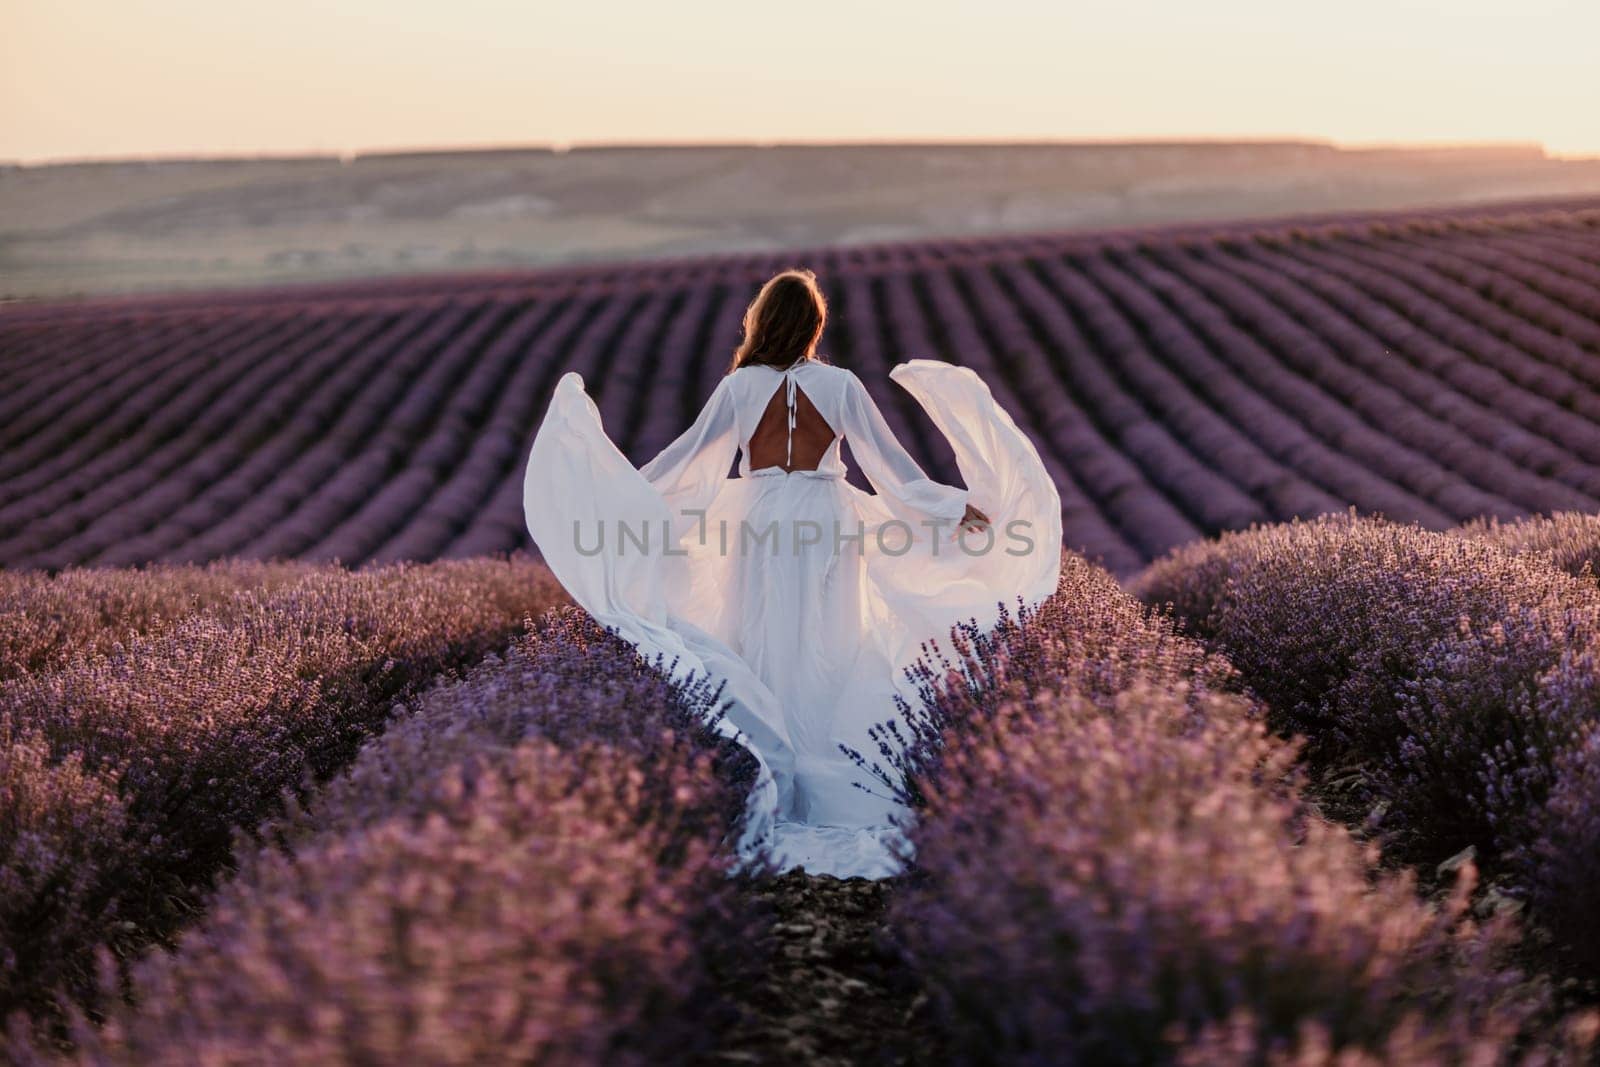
(833, 991)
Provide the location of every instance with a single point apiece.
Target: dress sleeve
(689, 471)
(905, 489)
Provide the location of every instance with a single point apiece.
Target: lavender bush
(1460, 679)
(525, 868)
(1569, 540)
(1115, 866)
(124, 774)
(1090, 636)
(49, 620)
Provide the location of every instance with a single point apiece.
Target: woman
(804, 595)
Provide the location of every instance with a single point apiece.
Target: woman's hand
(972, 520)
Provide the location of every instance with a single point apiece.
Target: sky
(121, 78)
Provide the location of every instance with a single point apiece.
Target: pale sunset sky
(112, 78)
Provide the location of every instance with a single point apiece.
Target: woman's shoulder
(832, 369)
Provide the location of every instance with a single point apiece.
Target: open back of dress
(792, 433)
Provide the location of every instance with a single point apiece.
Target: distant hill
(147, 226)
(1178, 381)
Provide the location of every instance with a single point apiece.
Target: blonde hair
(784, 322)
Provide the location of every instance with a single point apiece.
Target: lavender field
(1299, 765)
(1435, 368)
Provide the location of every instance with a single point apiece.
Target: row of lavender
(526, 867)
(1118, 864)
(1449, 681)
(146, 717)
(1179, 384)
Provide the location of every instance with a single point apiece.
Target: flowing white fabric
(806, 596)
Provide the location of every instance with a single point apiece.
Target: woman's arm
(905, 488)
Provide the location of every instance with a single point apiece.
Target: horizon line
(562, 147)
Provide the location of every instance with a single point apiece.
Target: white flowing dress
(804, 595)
